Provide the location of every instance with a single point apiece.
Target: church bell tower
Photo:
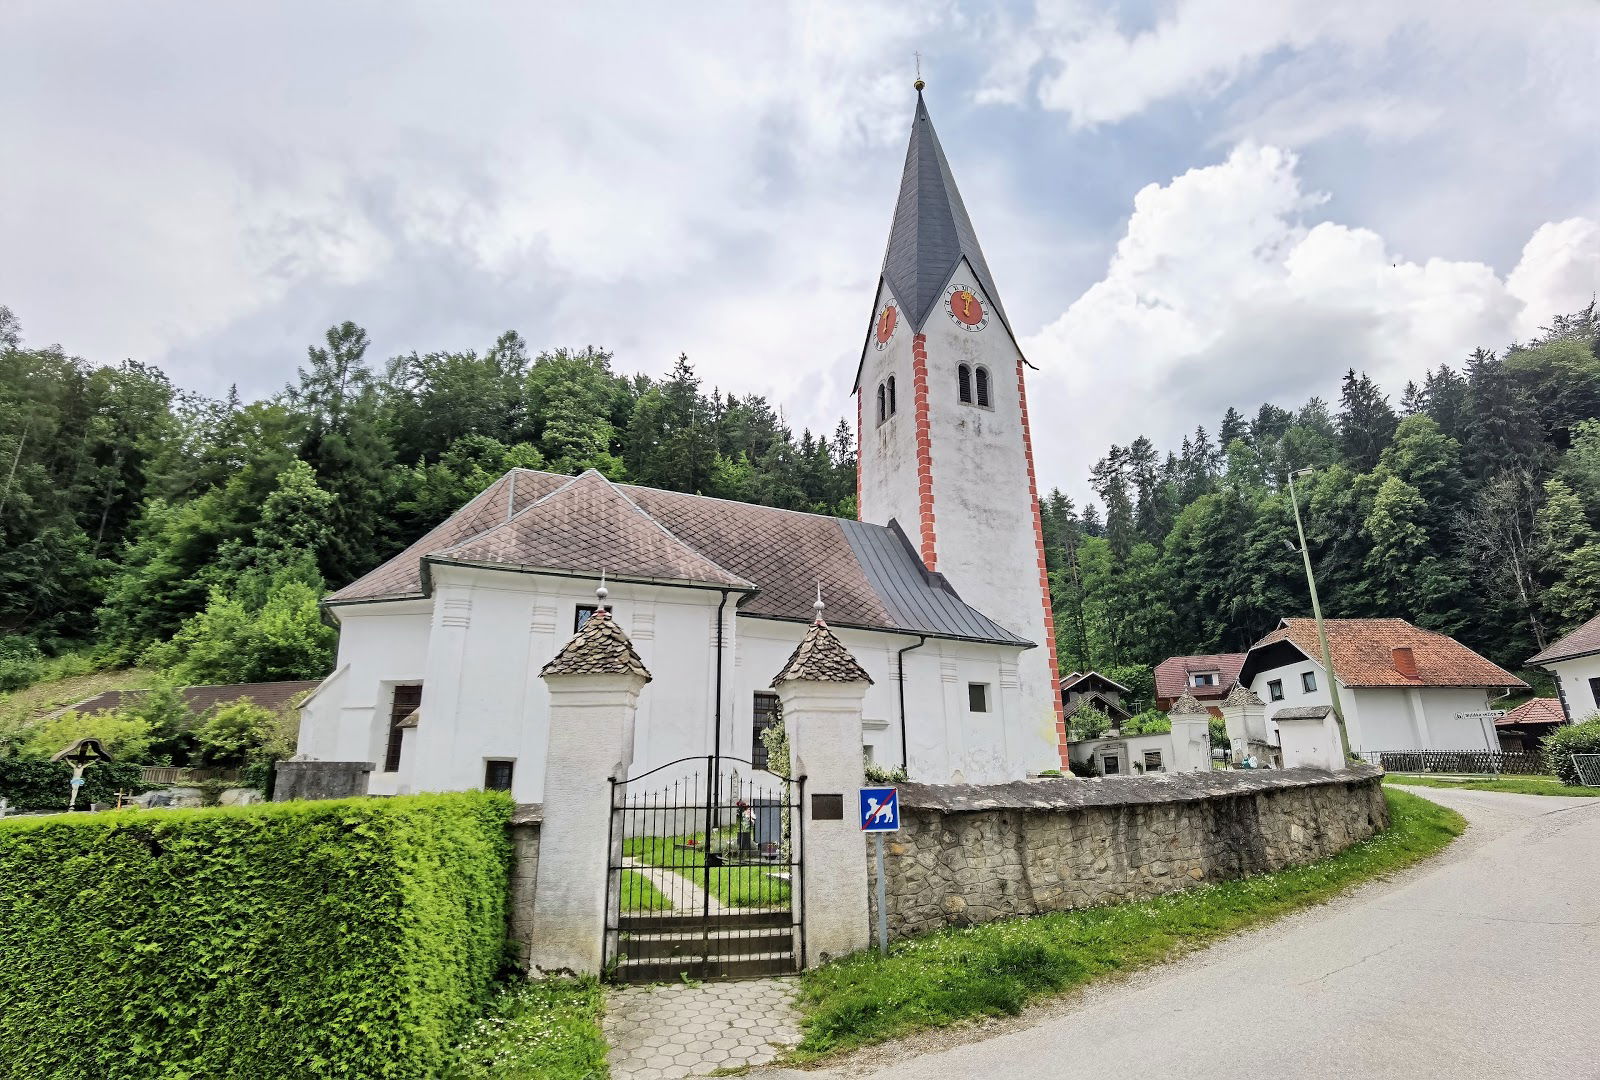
(942, 426)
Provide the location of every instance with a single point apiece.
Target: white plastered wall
(1574, 676)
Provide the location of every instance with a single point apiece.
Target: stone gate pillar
(594, 684)
(820, 690)
(1246, 717)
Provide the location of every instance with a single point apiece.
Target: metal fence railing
(1458, 761)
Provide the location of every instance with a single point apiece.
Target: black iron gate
(705, 873)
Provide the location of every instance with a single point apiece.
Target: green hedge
(1563, 742)
(349, 938)
(36, 784)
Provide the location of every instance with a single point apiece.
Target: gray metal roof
(916, 600)
(931, 230)
(1303, 712)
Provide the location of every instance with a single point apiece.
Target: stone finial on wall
(1187, 705)
(1241, 695)
(598, 648)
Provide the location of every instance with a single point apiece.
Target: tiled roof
(1242, 695)
(1583, 641)
(821, 657)
(870, 574)
(1363, 654)
(201, 699)
(589, 525)
(1186, 705)
(1073, 681)
(1172, 674)
(600, 647)
(1099, 703)
(1541, 710)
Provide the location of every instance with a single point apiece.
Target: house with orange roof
(1401, 687)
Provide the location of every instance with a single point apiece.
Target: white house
(939, 589)
(1575, 662)
(1186, 747)
(1400, 687)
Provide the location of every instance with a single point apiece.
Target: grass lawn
(735, 886)
(639, 895)
(1517, 785)
(949, 976)
(547, 1030)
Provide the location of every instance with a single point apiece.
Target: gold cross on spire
(919, 84)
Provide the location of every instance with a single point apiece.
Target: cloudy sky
(1186, 204)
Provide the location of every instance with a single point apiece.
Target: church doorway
(705, 873)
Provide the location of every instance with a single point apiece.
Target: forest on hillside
(150, 524)
(141, 522)
(1470, 506)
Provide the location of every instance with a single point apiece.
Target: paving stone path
(668, 1031)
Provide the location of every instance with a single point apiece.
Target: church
(939, 589)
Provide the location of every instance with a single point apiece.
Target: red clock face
(888, 318)
(965, 308)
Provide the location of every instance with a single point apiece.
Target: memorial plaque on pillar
(827, 808)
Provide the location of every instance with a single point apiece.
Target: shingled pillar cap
(598, 648)
(1241, 695)
(821, 657)
(1187, 706)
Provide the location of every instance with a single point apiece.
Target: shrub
(352, 938)
(125, 738)
(31, 784)
(231, 734)
(1563, 742)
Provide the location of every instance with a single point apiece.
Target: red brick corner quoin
(1044, 577)
(919, 392)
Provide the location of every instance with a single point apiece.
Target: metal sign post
(880, 813)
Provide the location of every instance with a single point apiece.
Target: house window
(497, 775)
(1594, 690)
(1308, 681)
(1203, 678)
(1110, 765)
(1275, 689)
(978, 697)
(1152, 761)
(581, 615)
(964, 384)
(406, 700)
(890, 385)
(767, 715)
(980, 376)
(883, 404)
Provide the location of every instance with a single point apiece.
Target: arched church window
(882, 400)
(890, 384)
(964, 383)
(981, 378)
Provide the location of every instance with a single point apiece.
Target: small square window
(1152, 761)
(581, 616)
(1110, 765)
(1275, 689)
(1207, 678)
(978, 697)
(1308, 681)
(497, 775)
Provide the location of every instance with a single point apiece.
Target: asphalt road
(1483, 963)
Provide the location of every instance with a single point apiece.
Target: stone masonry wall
(525, 822)
(970, 854)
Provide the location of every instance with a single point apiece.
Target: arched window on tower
(890, 384)
(981, 377)
(883, 413)
(964, 384)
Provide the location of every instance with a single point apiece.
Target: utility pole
(1316, 613)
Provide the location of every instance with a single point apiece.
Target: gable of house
(1378, 653)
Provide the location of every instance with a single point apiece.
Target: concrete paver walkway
(669, 1031)
(1480, 963)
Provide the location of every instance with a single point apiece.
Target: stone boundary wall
(969, 854)
(524, 828)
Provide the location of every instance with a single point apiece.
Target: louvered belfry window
(407, 699)
(964, 383)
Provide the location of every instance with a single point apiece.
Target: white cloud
(1224, 292)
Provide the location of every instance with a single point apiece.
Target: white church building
(939, 589)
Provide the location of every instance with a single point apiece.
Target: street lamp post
(1316, 613)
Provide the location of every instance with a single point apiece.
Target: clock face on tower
(965, 309)
(883, 330)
